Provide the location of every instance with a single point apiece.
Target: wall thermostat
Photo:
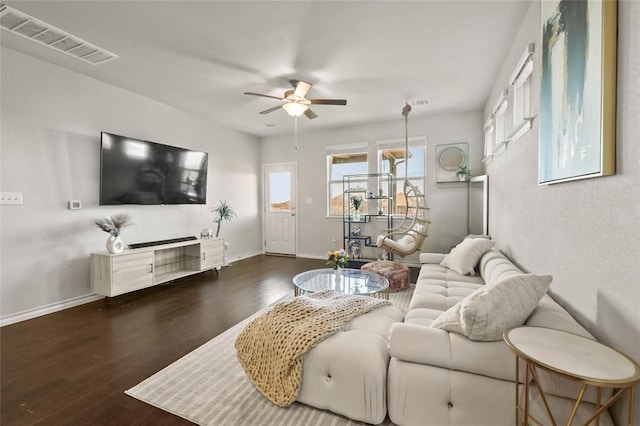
(74, 205)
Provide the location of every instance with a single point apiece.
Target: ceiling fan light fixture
(295, 109)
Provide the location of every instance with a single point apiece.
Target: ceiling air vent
(419, 102)
(29, 27)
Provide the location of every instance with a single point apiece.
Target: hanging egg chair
(408, 237)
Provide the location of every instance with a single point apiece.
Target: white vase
(356, 216)
(338, 272)
(114, 244)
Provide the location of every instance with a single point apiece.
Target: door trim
(263, 209)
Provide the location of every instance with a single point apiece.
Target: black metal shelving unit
(376, 192)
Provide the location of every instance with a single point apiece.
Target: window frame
(352, 149)
(520, 89)
(500, 139)
(416, 141)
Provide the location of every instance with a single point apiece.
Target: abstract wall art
(577, 90)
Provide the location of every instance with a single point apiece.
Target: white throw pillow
(493, 309)
(466, 255)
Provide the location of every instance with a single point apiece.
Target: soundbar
(161, 242)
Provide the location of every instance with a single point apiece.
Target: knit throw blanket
(271, 347)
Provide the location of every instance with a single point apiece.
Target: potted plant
(356, 202)
(112, 226)
(222, 212)
(463, 172)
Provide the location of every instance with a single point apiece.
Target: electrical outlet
(10, 197)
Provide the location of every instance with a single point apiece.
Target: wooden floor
(72, 367)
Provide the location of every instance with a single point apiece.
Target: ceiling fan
(294, 101)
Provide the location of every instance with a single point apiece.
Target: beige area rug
(209, 387)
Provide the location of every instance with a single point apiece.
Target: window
(392, 159)
(500, 123)
(488, 139)
(521, 94)
(338, 165)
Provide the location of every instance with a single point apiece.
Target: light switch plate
(10, 197)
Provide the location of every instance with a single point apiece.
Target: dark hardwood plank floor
(72, 367)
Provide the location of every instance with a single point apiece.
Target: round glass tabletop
(349, 281)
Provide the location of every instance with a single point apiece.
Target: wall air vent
(29, 27)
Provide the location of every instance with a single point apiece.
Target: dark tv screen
(133, 171)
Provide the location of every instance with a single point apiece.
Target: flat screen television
(133, 171)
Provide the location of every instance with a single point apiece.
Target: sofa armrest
(417, 343)
(431, 257)
(439, 348)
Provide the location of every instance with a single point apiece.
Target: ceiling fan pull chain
(295, 131)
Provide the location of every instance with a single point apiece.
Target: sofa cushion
(491, 310)
(465, 256)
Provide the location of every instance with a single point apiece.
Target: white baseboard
(228, 262)
(81, 300)
(76, 301)
(312, 256)
(48, 309)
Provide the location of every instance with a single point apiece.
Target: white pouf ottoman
(347, 372)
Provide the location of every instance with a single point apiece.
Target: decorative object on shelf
(463, 173)
(354, 249)
(355, 231)
(577, 113)
(337, 259)
(356, 202)
(115, 244)
(206, 233)
(112, 226)
(223, 212)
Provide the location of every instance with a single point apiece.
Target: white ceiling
(200, 56)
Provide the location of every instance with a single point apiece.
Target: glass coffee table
(349, 281)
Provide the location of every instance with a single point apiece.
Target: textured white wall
(585, 233)
(51, 123)
(448, 203)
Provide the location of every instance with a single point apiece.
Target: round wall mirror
(451, 158)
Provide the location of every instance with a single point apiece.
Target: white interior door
(281, 220)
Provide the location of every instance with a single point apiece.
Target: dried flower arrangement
(113, 224)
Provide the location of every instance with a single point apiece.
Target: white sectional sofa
(440, 377)
(347, 372)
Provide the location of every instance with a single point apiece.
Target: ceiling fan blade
(328, 101)
(302, 88)
(267, 111)
(310, 114)
(264, 96)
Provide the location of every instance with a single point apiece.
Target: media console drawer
(134, 269)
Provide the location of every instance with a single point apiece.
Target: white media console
(134, 269)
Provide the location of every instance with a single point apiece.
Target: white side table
(576, 358)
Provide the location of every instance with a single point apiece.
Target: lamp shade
(295, 109)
